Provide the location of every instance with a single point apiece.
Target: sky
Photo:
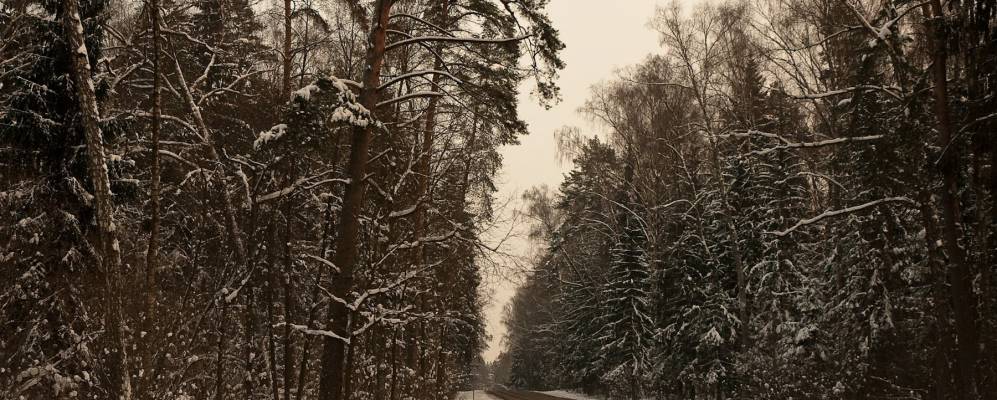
(601, 37)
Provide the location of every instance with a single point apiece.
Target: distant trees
(277, 212)
(813, 228)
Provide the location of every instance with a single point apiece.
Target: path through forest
(503, 394)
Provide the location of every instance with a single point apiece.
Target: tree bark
(959, 276)
(331, 383)
(152, 253)
(110, 255)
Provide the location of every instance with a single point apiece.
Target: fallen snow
(567, 394)
(477, 395)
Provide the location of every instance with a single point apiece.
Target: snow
(712, 337)
(273, 134)
(568, 394)
(305, 93)
(475, 395)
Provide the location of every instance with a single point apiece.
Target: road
(521, 395)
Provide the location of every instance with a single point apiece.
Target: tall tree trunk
(963, 299)
(424, 198)
(941, 371)
(286, 56)
(249, 341)
(152, 253)
(304, 53)
(110, 255)
(220, 354)
(331, 382)
(289, 306)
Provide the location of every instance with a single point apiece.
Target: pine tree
(625, 325)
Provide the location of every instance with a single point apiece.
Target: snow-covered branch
(413, 74)
(787, 144)
(835, 213)
(414, 95)
(423, 39)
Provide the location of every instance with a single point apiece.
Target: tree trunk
(228, 209)
(110, 254)
(331, 382)
(963, 299)
(220, 354)
(941, 372)
(286, 56)
(152, 253)
(289, 306)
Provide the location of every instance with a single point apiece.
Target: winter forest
(297, 199)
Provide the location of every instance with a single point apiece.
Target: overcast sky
(602, 36)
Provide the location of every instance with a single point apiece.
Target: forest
(232, 199)
(291, 199)
(794, 200)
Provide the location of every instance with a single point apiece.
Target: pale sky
(601, 36)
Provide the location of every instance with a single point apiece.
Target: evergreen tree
(625, 324)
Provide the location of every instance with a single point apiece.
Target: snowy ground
(569, 395)
(477, 395)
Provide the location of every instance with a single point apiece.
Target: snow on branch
(324, 261)
(786, 144)
(314, 332)
(429, 239)
(413, 74)
(882, 33)
(298, 183)
(177, 157)
(405, 277)
(413, 95)
(422, 39)
(835, 213)
(422, 21)
(889, 90)
(383, 317)
(822, 143)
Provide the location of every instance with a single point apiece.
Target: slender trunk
(271, 340)
(289, 306)
(249, 380)
(424, 201)
(110, 255)
(393, 393)
(941, 371)
(333, 366)
(228, 209)
(152, 254)
(990, 267)
(469, 159)
(304, 54)
(220, 354)
(420, 226)
(286, 56)
(963, 299)
(348, 381)
(288, 300)
(380, 344)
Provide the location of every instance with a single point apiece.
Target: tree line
(215, 199)
(794, 199)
